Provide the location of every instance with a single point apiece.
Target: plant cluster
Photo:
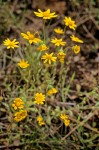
(40, 59)
(40, 44)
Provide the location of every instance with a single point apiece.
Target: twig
(90, 35)
(61, 104)
(94, 21)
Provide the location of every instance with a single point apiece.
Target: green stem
(48, 26)
(44, 31)
(11, 54)
(64, 31)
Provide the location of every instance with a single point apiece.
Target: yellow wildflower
(58, 30)
(31, 37)
(42, 47)
(40, 120)
(61, 56)
(76, 39)
(63, 117)
(18, 116)
(18, 104)
(61, 60)
(52, 91)
(69, 22)
(39, 98)
(45, 15)
(58, 42)
(11, 44)
(23, 64)
(76, 49)
(67, 122)
(48, 58)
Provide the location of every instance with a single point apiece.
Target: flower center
(45, 14)
(70, 23)
(23, 114)
(77, 49)
(59, 41)
(31, 37)
(18, 116)
(49, 57)
(11, 43)
(18, 104)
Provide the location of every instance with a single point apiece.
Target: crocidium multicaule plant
(58, 42)
(59, 31)
(70, 23)
(18, 116)
(76, 49)
(39, 98)
(45, 14)
(31, 37)
(40, 121)
(48, 58)
(11, 44)
(76, 39)
(23, 64)
(65, 119)
(18, 104)
(52, 91)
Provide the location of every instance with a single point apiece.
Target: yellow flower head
(61, 60)
(76, 39)
(45, 14)
(63, 117)
(48, 58)
(18, 116)
(67, 122)
(39, 98)
(76, 49)
(58, 30)
(18, 104)
(42, 47)
(61, 56)
(31, 37)
(11, 44)
(52, 91)
(23, 64)
(40, 121)
(70, 23)
(58, 42)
